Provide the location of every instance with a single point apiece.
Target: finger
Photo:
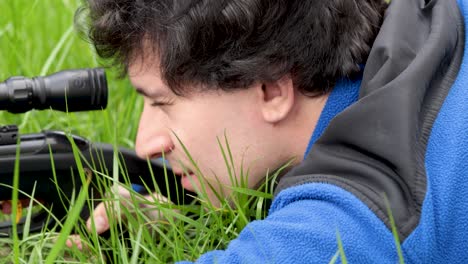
(6, 207)
(99, 219)
(100, 215)
(152, 204)
(74, 240)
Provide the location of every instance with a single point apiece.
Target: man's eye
(160, 103)
(157, 104)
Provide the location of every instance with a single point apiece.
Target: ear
(276, 99)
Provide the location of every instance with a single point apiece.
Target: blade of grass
(394, 231)
(56, 50)
(27, 223)
(16, 242)
(340, 248)
(6, 29)
(75, 211)
(334, 259)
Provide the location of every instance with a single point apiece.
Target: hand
(6, 207)
(99, 220)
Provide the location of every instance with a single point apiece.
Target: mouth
(187, 179)
(187, 182)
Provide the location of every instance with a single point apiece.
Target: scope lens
(70, 90)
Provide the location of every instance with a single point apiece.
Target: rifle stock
(44, 153)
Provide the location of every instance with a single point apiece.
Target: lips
(186, 182)
(186, 179)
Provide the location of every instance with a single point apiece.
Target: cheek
(200, 126)
(197, 131)
(204, 120)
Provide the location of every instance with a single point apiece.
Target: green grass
(38, 38)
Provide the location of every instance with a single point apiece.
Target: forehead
(145, 74)
(142, 67)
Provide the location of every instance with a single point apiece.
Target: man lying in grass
(369, 106)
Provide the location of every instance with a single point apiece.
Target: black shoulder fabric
(376, 147)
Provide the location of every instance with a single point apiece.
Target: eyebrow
(153, 94)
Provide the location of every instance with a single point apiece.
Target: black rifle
(43, 154)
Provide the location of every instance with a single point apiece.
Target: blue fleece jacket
(304, 221)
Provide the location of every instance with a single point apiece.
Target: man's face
(199, 120)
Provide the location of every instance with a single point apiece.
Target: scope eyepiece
(70, 90)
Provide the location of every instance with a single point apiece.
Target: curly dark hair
(231, 44)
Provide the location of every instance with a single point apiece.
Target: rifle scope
(70, 90)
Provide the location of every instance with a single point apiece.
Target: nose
(153, 136)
